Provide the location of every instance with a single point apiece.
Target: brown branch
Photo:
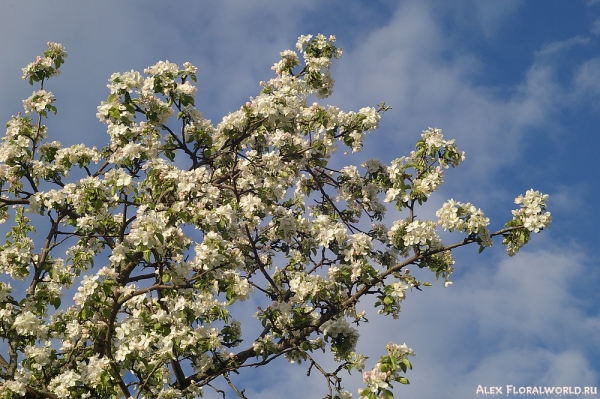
(260, 265)
(101, 169)
(236, 390)
(354, 298)
(328, 376)
(143, 385)
(4, 362)
(35, 394)
(120, 381)
(6, 201)
(45, 252)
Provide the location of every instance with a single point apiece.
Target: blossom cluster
(391, 298)
(532, 215)
(386, 371)
(406, 234)
(533, 211)
(47, 66)
(39, 102)
(414, 178)
(318, 52)
(343, 337)
(457, 216)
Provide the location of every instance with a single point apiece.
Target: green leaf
(98, 203)
(55, 302)
(105, 379)
(403, 366)
(188, 100)
(386, 394)
(407, 363)
(114, 113)
(166, 330)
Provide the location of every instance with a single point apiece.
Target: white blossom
(175, 220)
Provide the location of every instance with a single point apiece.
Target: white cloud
(492, 14)
(595, 28)
(587, 78)
(553, 48)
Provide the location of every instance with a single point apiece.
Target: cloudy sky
(517, 83)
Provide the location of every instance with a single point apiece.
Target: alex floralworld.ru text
(515, 390)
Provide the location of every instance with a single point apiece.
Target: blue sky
(517, 83)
